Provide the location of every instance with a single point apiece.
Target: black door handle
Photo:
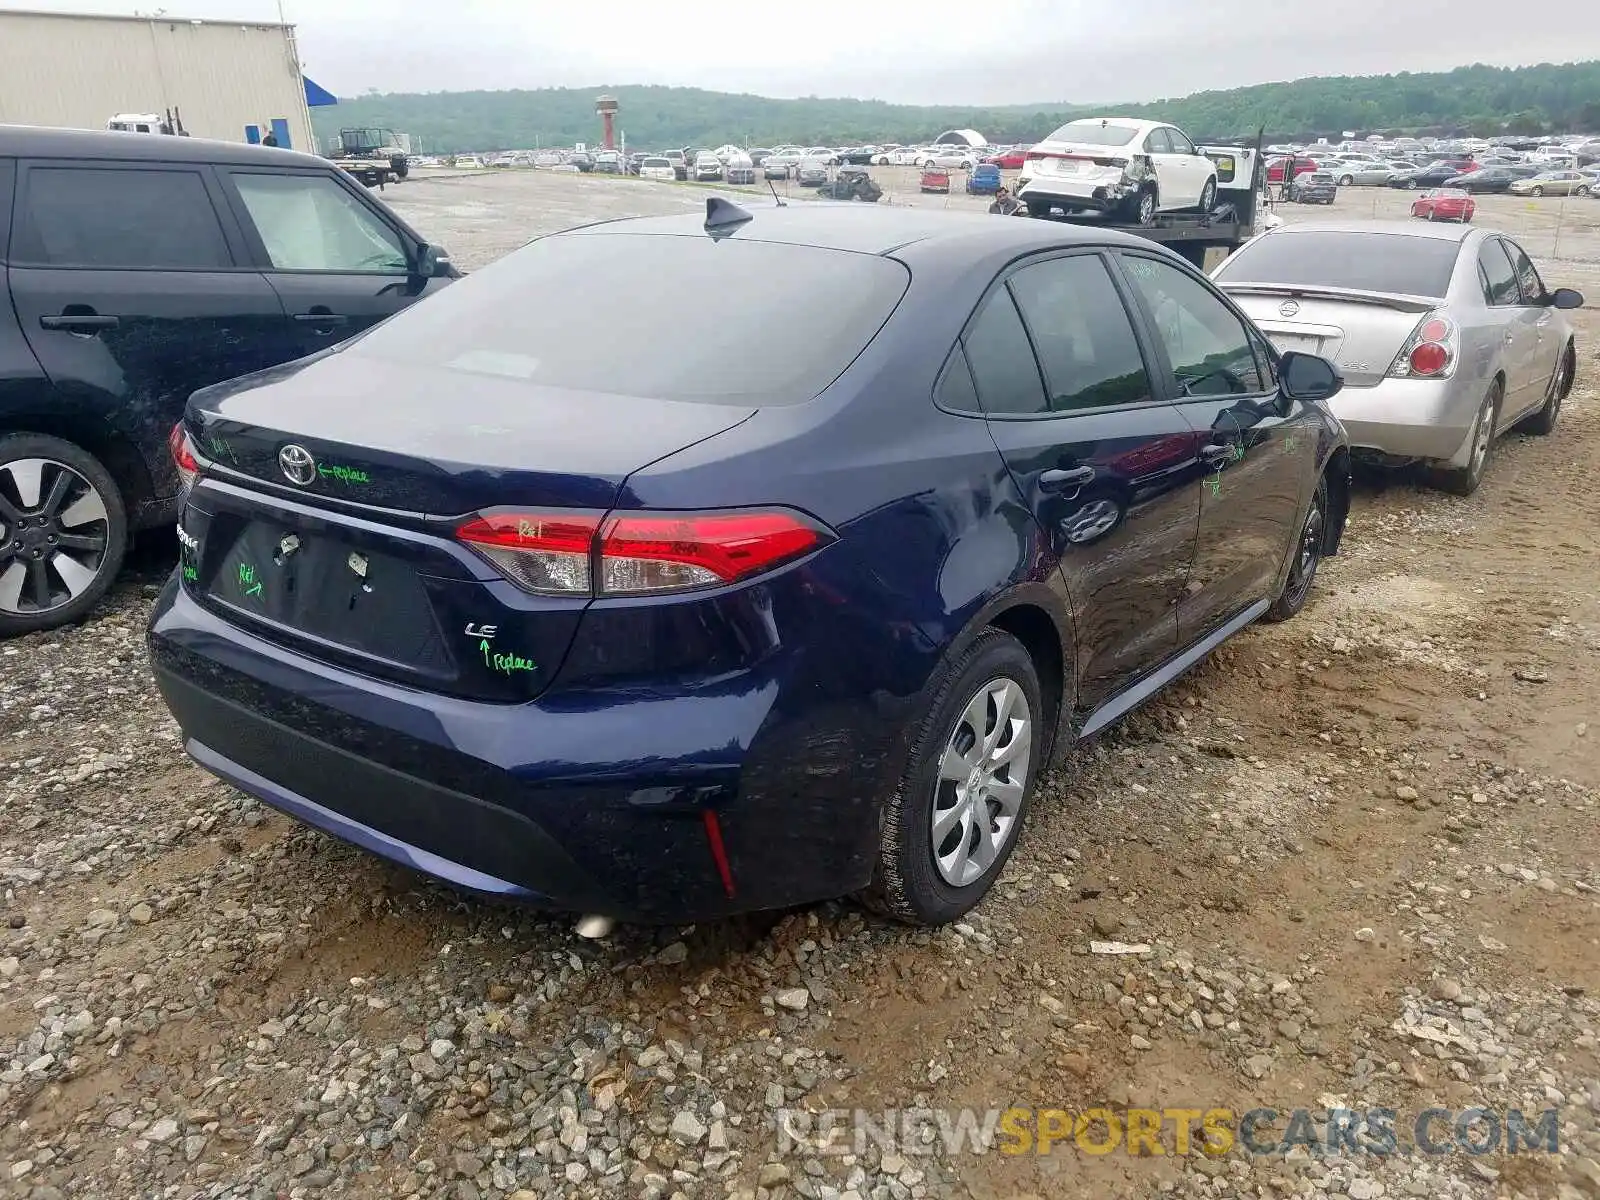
(322, 318)
(1218, 454)
(1068, 477)
(78, 322)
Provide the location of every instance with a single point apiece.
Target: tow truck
(1204, 239)
(374, 156)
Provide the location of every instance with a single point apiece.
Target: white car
(707, 167)
(547, 158)
(949, 159)
(657, 168)
(468, 161)
(906, 156)
(1118, 165)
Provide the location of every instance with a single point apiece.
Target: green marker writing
(343, 474)
(190, 574)
(506, 664)
(248, 583)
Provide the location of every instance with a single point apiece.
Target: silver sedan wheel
(983, 776)
(54, 535)
(1483, 436)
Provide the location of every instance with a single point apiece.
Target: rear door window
(145, 219)
(1158, 142)
(313, 223)
(1082, 334)
(1180, 142)
(1495, 273)
(1003, 366)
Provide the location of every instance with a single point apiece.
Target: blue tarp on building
(318, 96)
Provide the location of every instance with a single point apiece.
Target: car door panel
(125, 284)
(1105, 469)
(1519, 337)
(1255, 448)
(1196, 167)
(337, 264)
(1536, 307)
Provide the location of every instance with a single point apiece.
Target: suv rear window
(1368, 262)
(98, 217)
(653, 315)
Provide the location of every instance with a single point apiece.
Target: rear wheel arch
(115, 450)
(1337, 476)
(1041, 637)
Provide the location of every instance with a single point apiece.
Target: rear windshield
(675, 317)
(1092, 133)
(655, 162)
(1368, 262)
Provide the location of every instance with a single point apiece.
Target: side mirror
(427, 261)
(1566, 298)
(1306, 377)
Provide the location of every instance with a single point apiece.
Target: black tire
(1463, 481)
(111, 529)
(1307, 557)
(1347, 181)
(1544, 421)
(1143, 209)
(907, 883)
(1411, 185)
(1208, 196)
(1537, 191)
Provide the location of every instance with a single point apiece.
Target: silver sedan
(1446, 335)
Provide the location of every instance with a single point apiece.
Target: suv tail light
(183, 454)
(1430, 352)
(576, 554)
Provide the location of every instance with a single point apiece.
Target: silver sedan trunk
(1442, 334)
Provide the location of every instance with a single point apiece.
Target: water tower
(606, 107)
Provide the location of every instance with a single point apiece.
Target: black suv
(139, 268)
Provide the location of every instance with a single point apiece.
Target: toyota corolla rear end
(1376, 301)
(421, 606)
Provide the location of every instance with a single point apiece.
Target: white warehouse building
(232, 80)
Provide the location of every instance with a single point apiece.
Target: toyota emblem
(297, 465)
(1287, 309)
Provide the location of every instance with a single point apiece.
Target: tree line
(1477, 100)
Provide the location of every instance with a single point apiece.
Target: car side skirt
(1136, 694)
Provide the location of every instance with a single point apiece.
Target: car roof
(1444, 233)
(873, 229)
(34, 141)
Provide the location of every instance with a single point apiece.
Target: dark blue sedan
(540, 587)
(984, 180)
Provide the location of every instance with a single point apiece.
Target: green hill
(1478, 100)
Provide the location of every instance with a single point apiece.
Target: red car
(1444, 204)
(1302, 166)
(1008, 160)
(936, 181)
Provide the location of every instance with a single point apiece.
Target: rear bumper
(1103, 192)
(1412, 418)
(588, 802)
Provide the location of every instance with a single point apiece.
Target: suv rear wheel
(64, 532)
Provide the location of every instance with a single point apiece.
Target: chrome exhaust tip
(593, 927)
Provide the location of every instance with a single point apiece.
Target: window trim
(232, 237)
(1508, 245)
(262, 259)
(8, 181)
(1168, 376)
(1173, 136)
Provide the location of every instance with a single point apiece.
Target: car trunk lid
(1361, 332)
(359, 565)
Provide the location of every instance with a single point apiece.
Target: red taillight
(1430, 351)
(1429, 359)
(547, 553)
(638, 553)
(183, 454)
(666, 552)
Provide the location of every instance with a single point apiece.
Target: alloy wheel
(54, 535)
(1147, 208)
(1483, 435)
(983, 776)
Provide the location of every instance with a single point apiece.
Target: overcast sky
(912, 51)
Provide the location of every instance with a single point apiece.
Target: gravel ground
(1354, 857)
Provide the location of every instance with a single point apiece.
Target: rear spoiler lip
(1404, 301)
